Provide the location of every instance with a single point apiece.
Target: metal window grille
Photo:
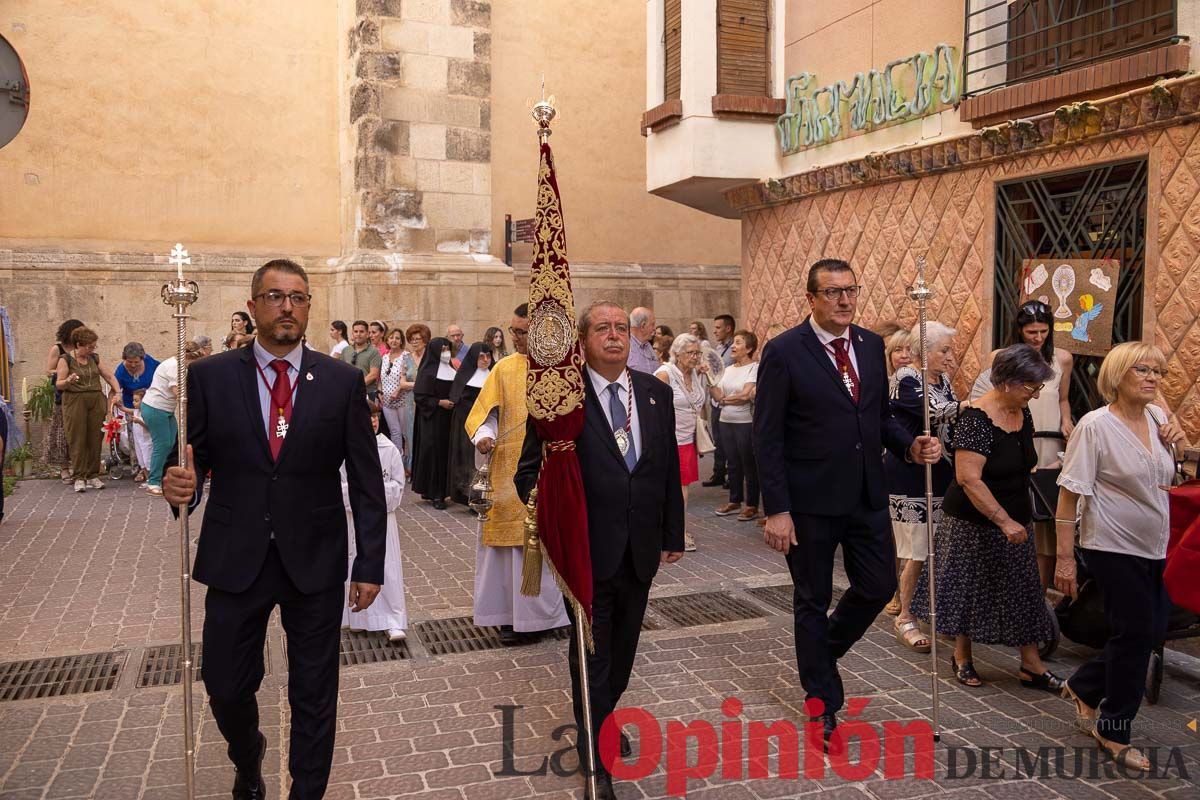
(1010, 41)
(1098, 212)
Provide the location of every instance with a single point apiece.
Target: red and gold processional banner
(555, 395)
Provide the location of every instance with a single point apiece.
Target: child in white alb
(389, 611)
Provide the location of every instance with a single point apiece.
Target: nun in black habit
(431, 432)
(467, 383)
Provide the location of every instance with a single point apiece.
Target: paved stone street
(98, 573)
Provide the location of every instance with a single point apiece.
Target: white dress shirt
(600, 384)
(826, 339)
(264, 360)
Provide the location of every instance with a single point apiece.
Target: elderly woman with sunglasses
(1118, 467)
(988, 589)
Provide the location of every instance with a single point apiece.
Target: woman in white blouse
(688, 389)
(1119, 463)
(735, 394)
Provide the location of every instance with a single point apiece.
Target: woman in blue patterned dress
(906, 481)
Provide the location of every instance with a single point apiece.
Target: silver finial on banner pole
(180, 294)
(921, 293)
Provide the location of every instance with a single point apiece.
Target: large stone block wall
(421, 117)
(118, 294)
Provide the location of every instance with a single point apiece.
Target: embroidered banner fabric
(555, 397)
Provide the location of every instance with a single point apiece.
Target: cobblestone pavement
(98, 572)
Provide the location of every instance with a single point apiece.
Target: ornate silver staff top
(920, 291)
(543, 114)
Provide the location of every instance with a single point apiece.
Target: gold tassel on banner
(531, 572)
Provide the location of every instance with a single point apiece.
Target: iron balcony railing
(1012, 41)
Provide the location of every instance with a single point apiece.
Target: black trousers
(235, 629)
(721, 453)
(869, 553)
(618, 606)
(739, 455)
(1137, 608)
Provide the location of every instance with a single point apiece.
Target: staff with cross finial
(921, 293)
(180, 294)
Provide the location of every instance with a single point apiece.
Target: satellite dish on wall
(14, 93)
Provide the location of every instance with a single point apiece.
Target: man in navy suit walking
(274, 422)
(821, 421)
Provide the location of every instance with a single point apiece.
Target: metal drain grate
(54, 677)
(456, 635)
(779, 596)
(370, 647)
(705, 608)
(162, 665)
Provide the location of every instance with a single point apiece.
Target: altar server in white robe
(496, 426)
(389, 611)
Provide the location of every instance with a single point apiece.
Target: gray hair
(202, 341)
(1019, 364)
(681, 341)
(934, 333)
(639, 317)
(133, 350)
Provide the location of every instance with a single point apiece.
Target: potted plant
(19, 461)
(40, 401)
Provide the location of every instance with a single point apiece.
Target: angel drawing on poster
(1090, 310)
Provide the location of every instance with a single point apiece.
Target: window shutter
(672, 18)
(743, 51)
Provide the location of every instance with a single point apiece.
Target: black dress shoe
(714, 481)
(626, 747)
(249, 785)
(508, 636)
(828, 724)
(440, 505)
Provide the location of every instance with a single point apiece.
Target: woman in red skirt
(690, 392)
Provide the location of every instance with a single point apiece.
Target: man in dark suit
(274, 530)
(634, 506)
(821, 421)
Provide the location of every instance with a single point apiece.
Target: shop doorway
(1098, 212)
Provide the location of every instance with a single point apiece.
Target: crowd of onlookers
(1005, 531)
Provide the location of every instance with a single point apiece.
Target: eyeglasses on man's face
(1033, 388)
(518, 331)
(1144, 371)
(833, 293)
(275, 298)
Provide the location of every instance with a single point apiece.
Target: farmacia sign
(905, 89)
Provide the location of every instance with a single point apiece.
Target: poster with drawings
(1081, 293)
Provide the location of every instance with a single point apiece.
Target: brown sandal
(908, 633)
(1085, 715)
(893, 607)
(1126, 755)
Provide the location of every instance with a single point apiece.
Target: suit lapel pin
(652, 401)
(860, 337)
(308, 377)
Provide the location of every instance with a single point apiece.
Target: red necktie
(845, 368)
(281, 406)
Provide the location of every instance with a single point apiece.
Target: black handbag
(1082, 619)
(1043, 491)
(1043, 486)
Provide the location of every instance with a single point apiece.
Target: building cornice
(1167, 102)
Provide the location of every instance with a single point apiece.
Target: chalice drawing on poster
(1063, 284)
